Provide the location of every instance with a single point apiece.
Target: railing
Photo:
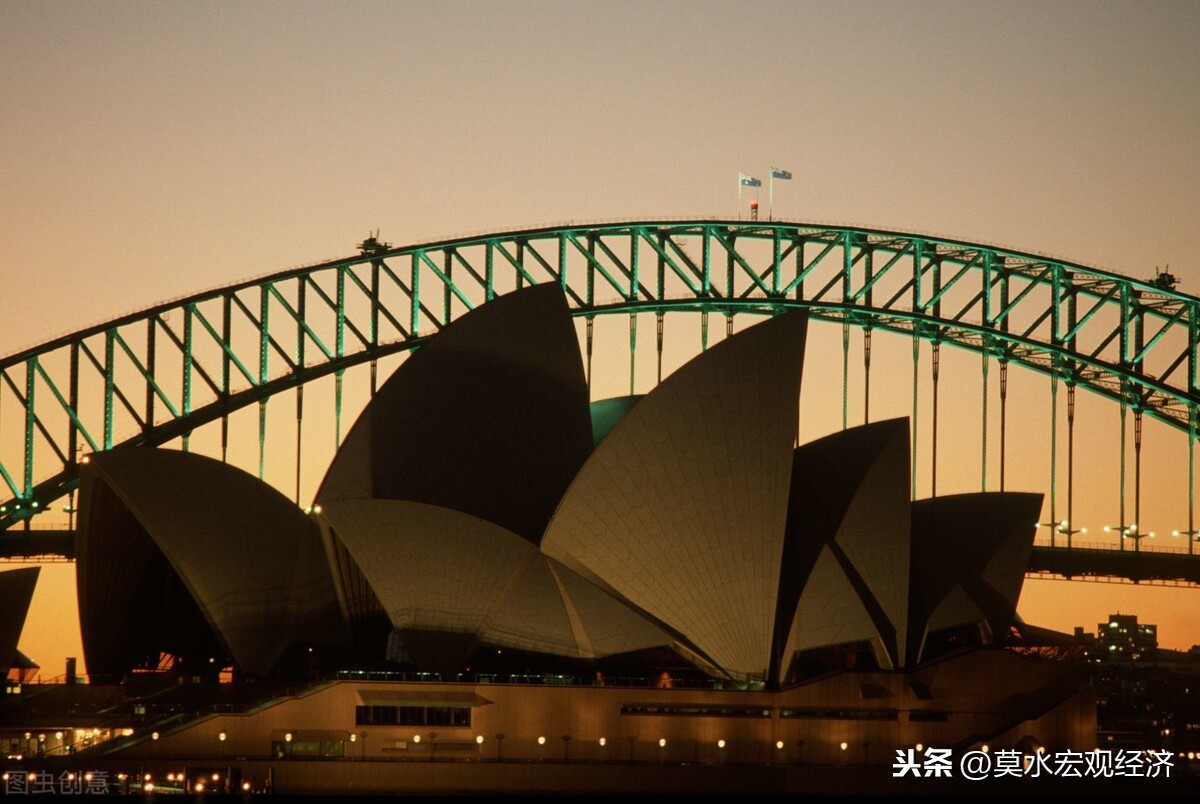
(1060, 544)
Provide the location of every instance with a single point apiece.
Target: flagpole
(739, 197)
(771, 196)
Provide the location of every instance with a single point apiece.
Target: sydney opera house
(496, 567)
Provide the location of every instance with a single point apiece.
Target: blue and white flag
(778, 173)
(748, 181)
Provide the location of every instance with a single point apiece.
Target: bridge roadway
(1092, 561)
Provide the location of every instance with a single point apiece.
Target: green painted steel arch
(157, 374)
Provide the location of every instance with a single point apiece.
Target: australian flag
(748, 181)
(777, 173)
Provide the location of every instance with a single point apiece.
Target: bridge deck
(1090, 562)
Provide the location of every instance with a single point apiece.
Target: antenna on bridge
(373, 245)
(1164, 278)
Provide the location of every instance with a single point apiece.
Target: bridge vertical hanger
(1191, 531)
(1003, 419)
(340, 352)
(262, 438)
(847, 296)
(1137, 478)
(148, 416)
(590, 326)
(845, 374)
(521, 260)
(110, 381)
(984, 419)
(448, 270)
(776, 258)
(660, 291)
(1193, 381)
(867, 375)
(918, 247)
(729, 266)
(227, 334)
(374, 323)
(30, 422)
(299, 437)
(1053, 454)
(1138, 319)
(1122, 524)
(1071, 529)
(937, 369)
(301, 306)
(188, 359)
(1125, 359)
(867, 299)
(658, 325)
(632, 351)
(263, 375)
(937, 365)
(913, 422)
(73, 396)
(31, 418)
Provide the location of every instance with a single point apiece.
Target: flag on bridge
(776, 173)
(748, 181)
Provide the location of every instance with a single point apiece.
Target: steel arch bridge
(156, 375)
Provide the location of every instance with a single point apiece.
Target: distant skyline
(153, 150)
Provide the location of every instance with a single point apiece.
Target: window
(412, 715)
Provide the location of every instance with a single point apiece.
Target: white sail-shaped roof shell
(681, 508)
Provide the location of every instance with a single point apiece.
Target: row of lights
(1127, 531)
(148, 780)
(603, 741)
(87, 777)
(80, 734)
(541, 740)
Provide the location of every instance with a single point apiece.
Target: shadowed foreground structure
(495, 569)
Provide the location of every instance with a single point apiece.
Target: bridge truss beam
(156, 375)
